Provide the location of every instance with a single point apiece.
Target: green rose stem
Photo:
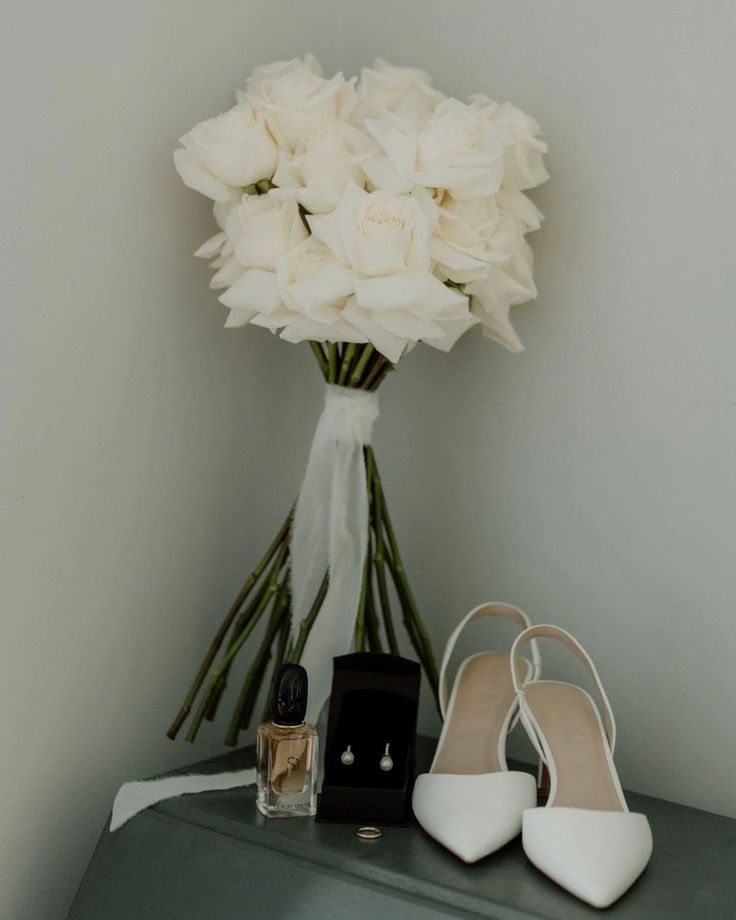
(279, 657)
(239, 642)
(240, 624)
(254, 677)
(417, 632)
(281, 539)
(380, 376)
(347, 359)
(371, 619)
(373, 372)
(320, 356)
(295, 653)
(379, 559)
(357, 374)
(360, 619)
(242, 621)
(333, 355)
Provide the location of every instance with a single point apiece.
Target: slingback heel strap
(571, 643)
(493, 609)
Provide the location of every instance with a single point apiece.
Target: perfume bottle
(287, 750)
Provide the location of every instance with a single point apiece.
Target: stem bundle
(268, 585)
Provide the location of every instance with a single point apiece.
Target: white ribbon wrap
(330, 533)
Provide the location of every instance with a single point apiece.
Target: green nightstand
(213, 857)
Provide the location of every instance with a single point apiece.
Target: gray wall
(141, 470)
(592, 480)
(147, 454)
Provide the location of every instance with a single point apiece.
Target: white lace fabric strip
(135, 797)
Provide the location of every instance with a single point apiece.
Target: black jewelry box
(374, 703)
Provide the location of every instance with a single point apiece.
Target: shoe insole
(482, 698)
(569, 721)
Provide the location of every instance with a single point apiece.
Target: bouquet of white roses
(363, 216)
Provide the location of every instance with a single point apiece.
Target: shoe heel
(543, 780)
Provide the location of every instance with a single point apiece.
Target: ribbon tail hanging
(330, 533)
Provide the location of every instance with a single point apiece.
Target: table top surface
(692, 873)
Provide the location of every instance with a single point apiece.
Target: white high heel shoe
(585, 839)
(469, 801)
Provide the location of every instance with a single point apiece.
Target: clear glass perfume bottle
(287, 750)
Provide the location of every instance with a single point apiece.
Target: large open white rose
(386, 87)
(377, 233)
(455, 149)
(385, 240)
(299, 101)
(314, 288)
(323, 163)
(222, 155)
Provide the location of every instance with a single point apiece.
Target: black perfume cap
(289, 695)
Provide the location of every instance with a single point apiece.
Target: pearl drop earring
(386, 762)
(347, 756)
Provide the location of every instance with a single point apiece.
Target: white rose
(324, 162)
(506, 285)
(384, 239)
(523, 150)
(376, 233)
(396, 89)
(314, 288)
(263, 73)
(226, 153)
(214, 247)
(473, 233)
(462, 245)
(312, 282)
(260, 230)
(297, 102)
(263, 228)
(455, 149)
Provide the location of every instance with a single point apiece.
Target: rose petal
(326, 287)
(303, 329)
(237, 318)
(521, 207)
(325, 228)
(384, 175)
(396, 291)
(398, 137)
(273, 321)
(383, 341)
(314, 200)
(255, 290)
(491, 302)
(195, 175)
(452, 330)
(211, 247)
(406, 325)
(228, 274)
